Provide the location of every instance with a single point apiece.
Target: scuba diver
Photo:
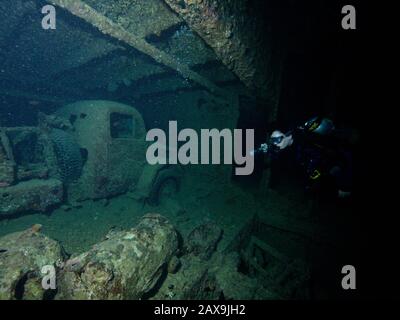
(320, 149)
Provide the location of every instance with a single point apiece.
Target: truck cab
(92, 149)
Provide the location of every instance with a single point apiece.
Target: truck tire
(170, 177)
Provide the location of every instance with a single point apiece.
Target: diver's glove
(262, 149)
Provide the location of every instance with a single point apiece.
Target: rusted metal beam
(32, 96)
(234, 30)
(108, 27)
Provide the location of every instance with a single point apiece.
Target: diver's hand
(264, 148)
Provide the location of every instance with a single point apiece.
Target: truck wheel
(167, 180)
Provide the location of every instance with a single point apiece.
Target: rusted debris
(128, 265)
(35, 195)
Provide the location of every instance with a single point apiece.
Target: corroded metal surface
(76, 61)
(232, 29)
(34, 195)
(22, 257)
(108, 27)
(143, 18)
(127, 265)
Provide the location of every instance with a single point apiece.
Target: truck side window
(121, 125)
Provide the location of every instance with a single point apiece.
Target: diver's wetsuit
(319, 156)
(324, 156)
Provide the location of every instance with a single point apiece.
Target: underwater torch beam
(108, 27)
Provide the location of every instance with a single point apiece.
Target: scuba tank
(319, 125)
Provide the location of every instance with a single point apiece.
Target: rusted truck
(85, 150)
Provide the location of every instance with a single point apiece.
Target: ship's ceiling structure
(137, 47)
